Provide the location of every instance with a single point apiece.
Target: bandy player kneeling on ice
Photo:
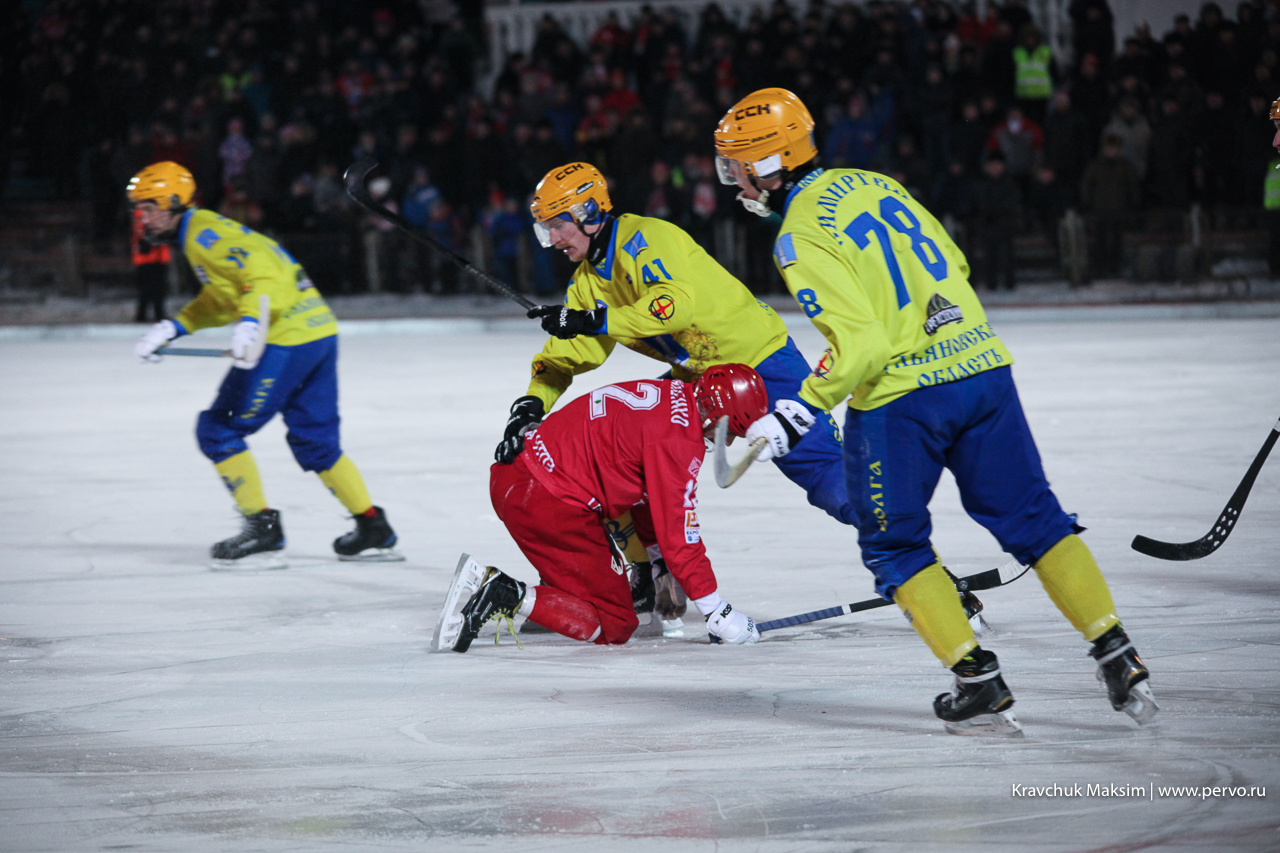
(295, 373)
(634, 446)
(929, 386)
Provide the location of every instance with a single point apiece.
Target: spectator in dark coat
(995, 218)
(1170, 161)
(1110, 193)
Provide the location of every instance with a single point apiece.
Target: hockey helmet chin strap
(771, 201)
(598, 248)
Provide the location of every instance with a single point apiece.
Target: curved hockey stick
(354, 179)
(726, 474)
(1226, 522)
(990, 579)
(255, 352)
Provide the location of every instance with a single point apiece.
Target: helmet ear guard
(732, 390)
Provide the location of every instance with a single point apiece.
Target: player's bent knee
(615, 632)
(314, 455)
(217, 440)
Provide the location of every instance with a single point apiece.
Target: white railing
(514, 27)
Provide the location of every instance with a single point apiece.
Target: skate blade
(673, 627)
(373, 555)
(979, 625)
(260, 562)
(465, 583)
(1003, 724)
(1141, 704)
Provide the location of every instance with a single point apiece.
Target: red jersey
(626, 444)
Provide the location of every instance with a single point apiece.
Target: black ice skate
(980, 703)
(499, 596)
(260, 545)
(1124, 675)
(373, 540)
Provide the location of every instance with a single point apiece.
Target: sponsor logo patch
(939, 313)
(662, 308)
(824, 364)
(692, 533)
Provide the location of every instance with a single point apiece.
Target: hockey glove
(565, 323)
(783, 427)
(526, 413)
(727, 625)
(243, 338)
(671, 602)
(157, 336)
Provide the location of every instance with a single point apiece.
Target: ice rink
(150, 704)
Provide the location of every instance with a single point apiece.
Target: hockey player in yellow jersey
(928, 385)
(295, 376)
(644, 283)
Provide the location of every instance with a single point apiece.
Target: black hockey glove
(568, 323)
(526, 413)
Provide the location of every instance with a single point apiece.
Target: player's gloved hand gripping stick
(248, 341)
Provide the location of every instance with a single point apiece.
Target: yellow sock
(240, 474)
(623, 532)
(1073, 580)
(933, 608)
(344, 480)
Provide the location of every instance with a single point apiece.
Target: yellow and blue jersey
(886, 286)
(667, 299)
(235, 265)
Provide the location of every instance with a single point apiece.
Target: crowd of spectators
(267, 103)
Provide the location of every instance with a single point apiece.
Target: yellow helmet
(167, 184)
(576, 191)
(767, 133)
(1275, 109)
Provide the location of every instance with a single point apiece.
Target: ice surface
(149, 704)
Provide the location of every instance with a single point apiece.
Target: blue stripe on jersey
(669, 347)
(784, 250)
(635, 245)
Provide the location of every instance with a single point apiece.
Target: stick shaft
(989, 579)
(354, 179)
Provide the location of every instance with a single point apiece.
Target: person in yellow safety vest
(1271, 197)
(1033, 72)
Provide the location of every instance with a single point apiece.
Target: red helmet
(734, 390)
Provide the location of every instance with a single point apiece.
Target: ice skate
(499, 596)
(260, 545)
(373, 540)
(1124, 675)
(980, 703)
(466, 582)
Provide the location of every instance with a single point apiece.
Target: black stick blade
(354, 178)
(1172, 551)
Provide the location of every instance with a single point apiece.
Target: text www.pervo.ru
(1151, 792)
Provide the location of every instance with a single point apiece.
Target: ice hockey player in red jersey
(634, 446)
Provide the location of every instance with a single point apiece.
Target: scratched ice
(150, 704)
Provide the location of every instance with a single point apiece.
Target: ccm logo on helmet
(568, 170)
(748, 112)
